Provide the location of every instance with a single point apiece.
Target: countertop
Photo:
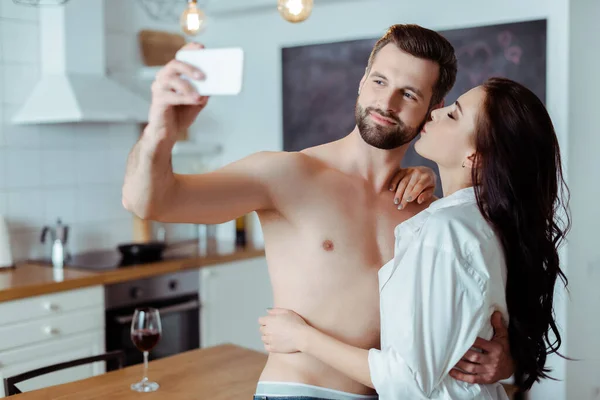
(28, 279)
(225, 372)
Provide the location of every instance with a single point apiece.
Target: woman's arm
(351, 361)
(284, 331)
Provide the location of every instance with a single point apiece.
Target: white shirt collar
(414, 224)
(462, 196)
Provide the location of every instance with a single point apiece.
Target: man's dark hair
(426, 44)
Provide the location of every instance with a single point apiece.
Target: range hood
(73, 86)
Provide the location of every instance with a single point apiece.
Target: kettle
(59, 235)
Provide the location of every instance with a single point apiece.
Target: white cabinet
(39, 331)
(233, 296)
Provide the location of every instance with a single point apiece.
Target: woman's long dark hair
(521, 191)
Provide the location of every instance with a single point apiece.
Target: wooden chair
(9, 383)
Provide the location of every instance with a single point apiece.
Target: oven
(175, 295)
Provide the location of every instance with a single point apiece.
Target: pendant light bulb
(192, 19)
(295, 10)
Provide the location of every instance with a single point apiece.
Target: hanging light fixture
(295, 10)
(192, 19)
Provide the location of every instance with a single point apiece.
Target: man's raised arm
(152, 191)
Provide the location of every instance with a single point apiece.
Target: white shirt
(437, 296)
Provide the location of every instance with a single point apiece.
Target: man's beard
(383, 137)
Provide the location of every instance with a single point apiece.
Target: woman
(489, 244)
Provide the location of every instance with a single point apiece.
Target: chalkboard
(320, 81)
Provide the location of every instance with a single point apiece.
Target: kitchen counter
(225, 372)
(33, 279)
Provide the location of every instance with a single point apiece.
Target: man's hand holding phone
(181, 88)
(175, 101)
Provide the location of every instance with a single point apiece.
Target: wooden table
(223, 372)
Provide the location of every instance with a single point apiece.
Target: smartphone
(222, 67)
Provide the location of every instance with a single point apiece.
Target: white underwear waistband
(274, 389)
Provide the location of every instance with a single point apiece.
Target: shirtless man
(327, 213)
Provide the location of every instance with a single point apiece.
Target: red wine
(145, 339)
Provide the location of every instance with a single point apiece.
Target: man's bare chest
(349, 223)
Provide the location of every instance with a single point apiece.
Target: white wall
(583, 377)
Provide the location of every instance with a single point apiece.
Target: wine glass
(145, 334)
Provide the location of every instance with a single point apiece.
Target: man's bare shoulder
(325, 155)
(289, 164)
(287, 177)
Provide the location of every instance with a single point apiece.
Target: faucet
(59, 234)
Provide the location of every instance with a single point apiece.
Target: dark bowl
(139, 253)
